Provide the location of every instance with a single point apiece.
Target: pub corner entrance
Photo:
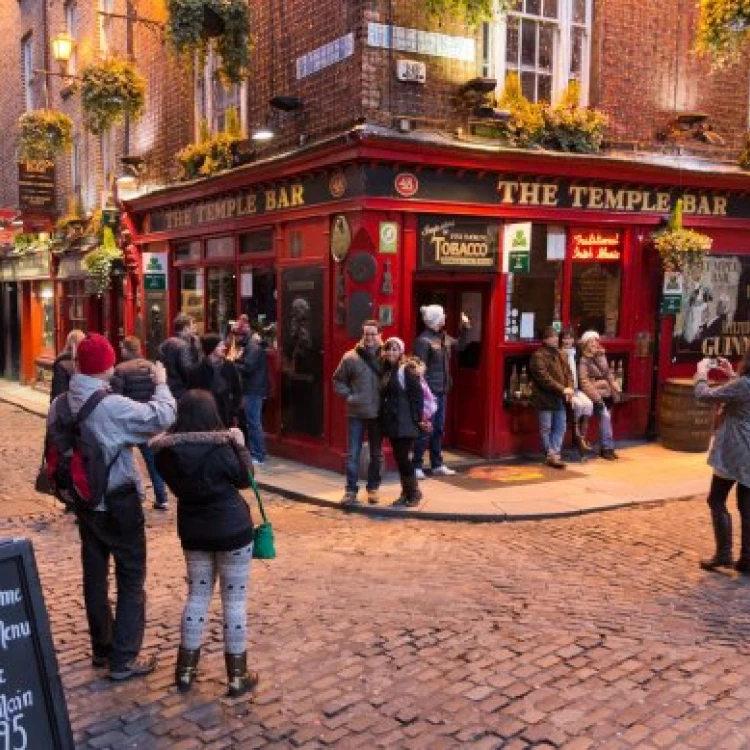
(466, 423)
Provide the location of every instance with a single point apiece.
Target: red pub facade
(371, 224)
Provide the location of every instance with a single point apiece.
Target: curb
(30, 408)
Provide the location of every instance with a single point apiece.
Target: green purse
(263, 543)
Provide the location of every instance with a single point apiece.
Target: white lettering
(13, 632)
(11, 597)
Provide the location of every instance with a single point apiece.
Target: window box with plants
(110, 91)
(212, 153)
(44, 133)
(192, 24)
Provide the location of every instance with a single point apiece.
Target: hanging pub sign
(447, 244)
(714, 318)
(517, 248)
(36, 186)
(595, 245)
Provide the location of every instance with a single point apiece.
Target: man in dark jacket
(433, 346)
(133, 378)
(253, 368)
(357, 379)
(552, 384)
(180, 353)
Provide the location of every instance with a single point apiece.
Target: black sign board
(33, 713)
(36, 186)
(448, 244)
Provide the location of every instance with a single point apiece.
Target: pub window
(222, 292)
(256, 242)
(106, 7)
(534, 298)
(258, 299)
(27, 60)
(546, 42)
(71, 27)
(186, 251)
(47, 302)
(220, 247)
(192, 295)
(76, 304)
(595, 297)
(214, 99)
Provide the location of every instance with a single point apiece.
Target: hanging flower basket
(680, 249)
(722, 29)
(44, 133)
(193, 23)
(100, 262)
(110, 91)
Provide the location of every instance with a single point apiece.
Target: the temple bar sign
(590, 197)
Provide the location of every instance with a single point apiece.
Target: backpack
(75, 461)
(430, 405)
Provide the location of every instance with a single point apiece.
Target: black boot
(743, 564)
(412, 492)
(187, 668)
(239, 680)
(722, 523)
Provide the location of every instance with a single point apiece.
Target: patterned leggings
(233, 570)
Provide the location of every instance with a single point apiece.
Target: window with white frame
(214, 98)
(105, 26)
(546, 42)
(27, 60)
(71, 27)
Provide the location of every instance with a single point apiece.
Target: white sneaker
(442, 471)
(419, 474)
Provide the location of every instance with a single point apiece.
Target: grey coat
(434, 349)
(730, 452)
(359, 383)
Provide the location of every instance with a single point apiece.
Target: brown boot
(239, 680)
(187, 668)
(583, 429)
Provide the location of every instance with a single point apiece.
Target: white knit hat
(397, 341)
(432, 315)
(587, 336)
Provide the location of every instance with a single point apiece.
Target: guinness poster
(714, 320)
(448, 244)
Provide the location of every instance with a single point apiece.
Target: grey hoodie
(119, 423)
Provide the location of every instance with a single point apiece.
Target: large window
(222, 291)
(192, 296)
(214, 99)
(546, 42)
(27, 60)
(105, 26)
(595, 297)
(71, 27)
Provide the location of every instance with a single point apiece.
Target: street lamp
(62, 49)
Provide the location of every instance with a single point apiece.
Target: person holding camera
(729, 457)
(598, 383)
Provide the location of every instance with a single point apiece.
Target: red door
(466, 418)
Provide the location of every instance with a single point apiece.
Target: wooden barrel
(685, 423)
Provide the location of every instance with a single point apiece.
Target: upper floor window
(214, 99)
(71, 27)
(546, 42)
(27, 59)
(105, 26)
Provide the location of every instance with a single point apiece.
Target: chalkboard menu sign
(33, 714)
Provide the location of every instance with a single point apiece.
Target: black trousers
(719, 494)
(401, 452)
(118, 533)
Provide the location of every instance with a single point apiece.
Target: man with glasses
(357, 379)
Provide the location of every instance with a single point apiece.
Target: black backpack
(75, 460)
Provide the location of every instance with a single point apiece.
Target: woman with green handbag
(205, 465)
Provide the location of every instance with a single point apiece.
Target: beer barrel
(685, 423)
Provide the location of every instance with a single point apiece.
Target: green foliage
(233, 125)
(185, 32)
(209, 157)
(44, 133)
(569, 127)
(526, 123)
(723, 28)
(680, 249)
(99, 262)
(30, 242)
(471, 12)
(111, 90)
(744, 160)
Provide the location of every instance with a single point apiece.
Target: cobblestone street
(593, 632)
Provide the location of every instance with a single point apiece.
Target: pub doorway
(466, 422)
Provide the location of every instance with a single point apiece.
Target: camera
(713, 364)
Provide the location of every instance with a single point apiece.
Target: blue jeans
(357, 429)
(160, 492)
(606, 435)
(552, 426)
(254, 414)
(434, 439)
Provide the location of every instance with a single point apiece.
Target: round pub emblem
(337, 184)
(406, 184)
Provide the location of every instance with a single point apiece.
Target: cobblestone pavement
(594, 632)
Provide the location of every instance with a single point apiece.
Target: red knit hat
(95, 355)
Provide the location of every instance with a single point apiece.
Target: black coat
(62, 370)
(179, 357)
(401, 409)
(253, 368)
(205, 471)
(226, 389)
(133, 379)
